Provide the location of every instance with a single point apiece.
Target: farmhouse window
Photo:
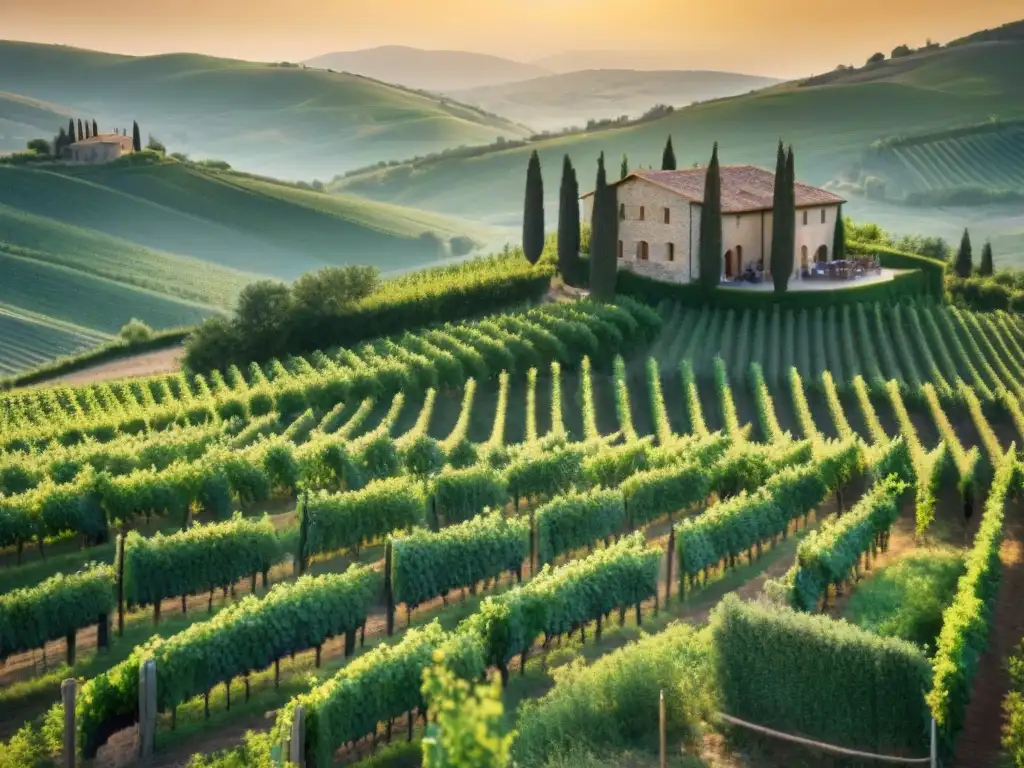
(805, 218)
(667, 217)
(671, 248)
(822, 215)
(622, 211)
(620, 249)
(641, 213)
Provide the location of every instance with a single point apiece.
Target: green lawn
(28, 340)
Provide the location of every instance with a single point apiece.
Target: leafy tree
(839, 237)
(711, 225)
(964, 264)
(569, 225)
(40, 147)
(156, 145)
(264, 308)
(986, 268)
(331, 289)
(876, 58)
(781, 261)
(212, 345)
(468, 732)
(135, 331)
(95, 129)
(668, 156)
(604, 235)
(624, 168)
(71, 130)
(533, 211)
(136, 137)
(900, 51)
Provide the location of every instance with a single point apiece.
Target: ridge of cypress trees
(81, 133)
(71, 130)
(711, 225)
(668, 156)
(136, 137)
(777, 261)
(624, 167)
(964, 260)
(569, 225)
(839, 237)
(987, 267)
(604, 226)
(533, 211)
(95, 129)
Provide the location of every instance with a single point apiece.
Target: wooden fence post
(147, 709)
(671, 554)
(663, 761)
(297, 742)
(388, 589)
(67, 694)
(120, 584)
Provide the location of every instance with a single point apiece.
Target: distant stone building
(99, 149)
(659, 222)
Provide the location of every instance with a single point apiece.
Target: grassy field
(97, 246)
(830, 126)
(559, 101)
(283, 120)
(22, 119)
(28, 340)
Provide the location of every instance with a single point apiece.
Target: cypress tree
(839, 238)
(624, 168)
(987, 268)
(778, 260)
(136, 137)
(568, 225)
(71, 130)
(95, 130)
(963, 264)
(668, 157)
(790, 223)
(604, 234)
(81, 133)
(533, 211)
(711, 225)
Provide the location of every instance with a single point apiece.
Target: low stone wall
(655, 271)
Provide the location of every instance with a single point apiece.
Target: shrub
(135, 332)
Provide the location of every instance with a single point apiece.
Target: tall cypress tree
(790, 200)
(81, 133)
(136, 137)
(711, 225)
(964, 260)
(668, 157)
(624, 168)
(839, 237)
(95, 130)
(987, 267)
(71, 130)
(568, 225)
(604, 226)
(533, 211)
(779, 260)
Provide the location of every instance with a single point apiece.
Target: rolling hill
(281, 119)
(830, 125)
(22, 119)
(559, 101)
(84, 249)
(439, 71)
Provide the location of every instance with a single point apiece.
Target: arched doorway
(730, 266)
(803, 257)
(642, 251)
(821, 255)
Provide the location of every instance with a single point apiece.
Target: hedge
(824, 679)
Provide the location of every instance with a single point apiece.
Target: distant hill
(287, 121)
(560, 101)
(830, 125)
(440, 71)
(84, 249)
(22, 119)
(576, 61)
(1012, 31)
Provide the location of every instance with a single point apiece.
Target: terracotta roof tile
(105, 138)
(745, 188)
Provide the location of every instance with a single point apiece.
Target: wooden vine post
(147, 709)
(662, 751)
(671, 554)
(297, 739)
(300, 557)
(120, 583)
(533, 543)
(67, 695)
(389, 595)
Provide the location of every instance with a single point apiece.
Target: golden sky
(770, 37)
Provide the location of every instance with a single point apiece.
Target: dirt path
(146, 364)
(979, 744)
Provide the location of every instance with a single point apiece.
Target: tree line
(605, 228)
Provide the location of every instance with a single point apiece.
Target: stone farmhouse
(99, 149)
(659, 222)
